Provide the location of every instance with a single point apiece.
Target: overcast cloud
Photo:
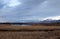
(19, 10)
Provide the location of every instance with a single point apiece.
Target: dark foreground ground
(30, 35)
(29, 32)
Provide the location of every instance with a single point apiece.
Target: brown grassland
(29, 32)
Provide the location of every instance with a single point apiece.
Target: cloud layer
(18, 10)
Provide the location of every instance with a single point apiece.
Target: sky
(28, 10)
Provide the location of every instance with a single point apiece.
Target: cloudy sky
(21, 10)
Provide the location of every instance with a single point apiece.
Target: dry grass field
(30, 35)
(29, 32)
(30, 27)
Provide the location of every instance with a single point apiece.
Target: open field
(30, 35)
(29, 32)
(35, 27)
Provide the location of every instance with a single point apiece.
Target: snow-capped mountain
(54, 19)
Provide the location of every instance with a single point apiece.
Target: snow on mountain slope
(52, 18)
